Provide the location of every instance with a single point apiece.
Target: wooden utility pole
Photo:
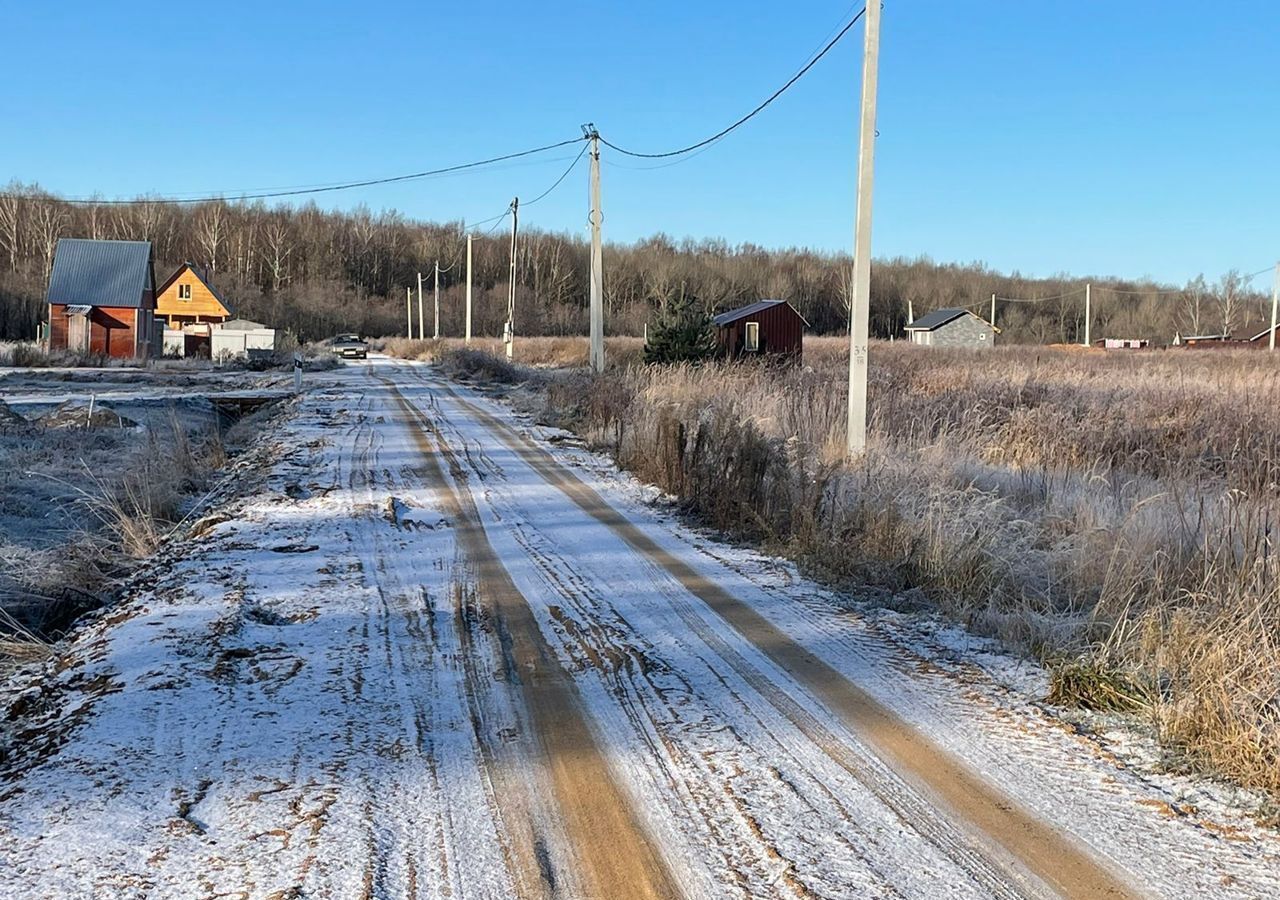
(408, 312)
(597, 263)
(1088, 310)
(437, 292)
(509, 334)
(422, 320)
(467, 339)
(1275, 301)
(860, 309)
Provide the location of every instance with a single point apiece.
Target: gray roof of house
(100, 273)
(936, 319)
(742, 312)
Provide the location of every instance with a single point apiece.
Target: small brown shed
(102, 298)
(765, 328)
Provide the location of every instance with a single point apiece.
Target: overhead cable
(749, 116)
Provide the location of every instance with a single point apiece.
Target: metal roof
(937, 319)
(100, 273)
(742, 312)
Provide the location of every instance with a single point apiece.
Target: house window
(752, 342)
(184, 292)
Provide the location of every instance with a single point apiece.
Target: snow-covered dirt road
(428, 654)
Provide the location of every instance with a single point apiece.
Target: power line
(562, 177)
(501, 217)
(1039, 299)
(320, 190)
(776, 94)
(1245, 279)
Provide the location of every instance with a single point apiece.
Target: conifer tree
(682, 333)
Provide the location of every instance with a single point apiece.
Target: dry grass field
(1110, 513)
(540, 352)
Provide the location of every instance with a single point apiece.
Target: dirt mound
(75, 414)
(10, 420)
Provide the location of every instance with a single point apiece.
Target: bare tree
(1194, 307)
(11, 211)
(96, 221)
(50, 218)
(1230, 299)
(278, 246)
(211, 228)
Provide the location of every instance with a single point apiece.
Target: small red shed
(102, 298)
(765, 328)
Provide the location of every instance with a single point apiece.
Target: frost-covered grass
(29, 355)
(529, 351)
(79, 508)
(1110, 513)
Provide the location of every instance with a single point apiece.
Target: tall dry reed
(1112, 513)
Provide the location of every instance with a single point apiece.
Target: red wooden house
(102, 298)
(768, 328)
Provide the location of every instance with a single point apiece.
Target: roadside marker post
(297, 372)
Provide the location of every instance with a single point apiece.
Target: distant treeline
(316, 273)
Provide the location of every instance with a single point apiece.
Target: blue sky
(1131, 138)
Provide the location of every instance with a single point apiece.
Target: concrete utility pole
(422, 320)
(509, 334)
(860, 309)
(911, 313)
(437, 331)
(1088, 310)
(408, 312)
(1275, 301)
(467, 339)
(597, 263)
(993, 310)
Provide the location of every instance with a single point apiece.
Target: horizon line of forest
(318, 272)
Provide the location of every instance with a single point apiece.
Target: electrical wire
(1245, 279)
(749, 116)
(1000, 299)
(562, 177)
(498, 219)
(320, 190)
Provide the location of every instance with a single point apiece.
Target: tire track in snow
(1030, 845)
(413, 853)
(611, 847)
(613, 647)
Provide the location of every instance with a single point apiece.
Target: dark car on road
(349, 346)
